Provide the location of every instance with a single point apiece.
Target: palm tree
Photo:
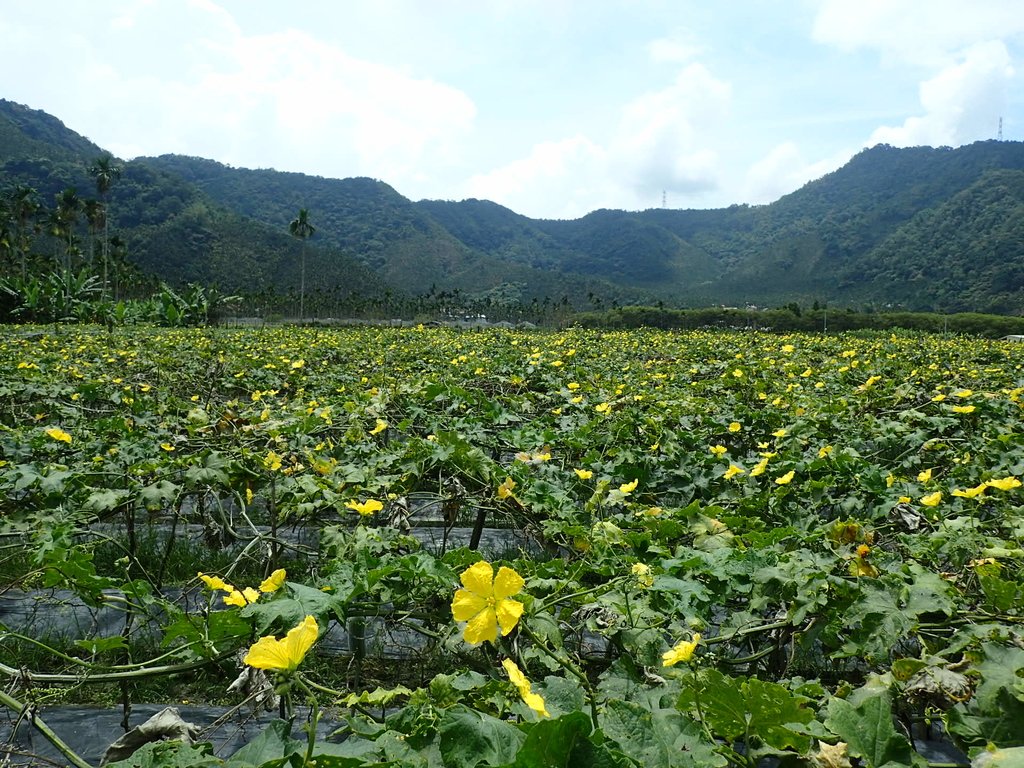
(24, 207)
(302, 229)
(105, 173)
(69, 205)
(96, 218)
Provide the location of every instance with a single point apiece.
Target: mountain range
(920, 228)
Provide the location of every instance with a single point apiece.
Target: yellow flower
(932, 499)
(825, 451)
(938, 398)
(58, 434)
(970, 493)
(683, 651)
(717, 450)
(215, 582)
(583, 474)
(365, 508)
(779, 433)
(628, 488)
(963, 393)
(889, 480)
(732, 471)
(963, 409)
(298, 364)
(506, 488)
(603, 407)
(485, 604)
(167, 447)
(735, 426)
(1005, 483)
(925, 476)
(272, 461)
(284, 655)
(533, 700)
(274, 581)
(785, 479)
(381, 426)
(759, 468)
(642, 571)
(243, 598)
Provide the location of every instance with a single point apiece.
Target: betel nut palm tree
(301, 228)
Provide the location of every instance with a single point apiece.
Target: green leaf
(290, 609)
(660, 738)
(470, 738)
(551, 743)
(1000, 758)
(272, 747)
(869, 732)
(168, 754)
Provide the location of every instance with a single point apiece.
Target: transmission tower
(663, 198)
(999, 136)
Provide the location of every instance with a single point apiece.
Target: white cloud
(664, 138)
(558, 179)
(783, 170)
(924, 32)
(962, 103)
(679, 48)
(660, 144)
(286, 100)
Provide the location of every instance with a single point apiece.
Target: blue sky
(551, 107)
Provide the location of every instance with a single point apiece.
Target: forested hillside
(922, 228)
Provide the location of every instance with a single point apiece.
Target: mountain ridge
(899, 228)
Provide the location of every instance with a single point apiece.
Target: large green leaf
(660, 738)
(868, 730)
(469, 738)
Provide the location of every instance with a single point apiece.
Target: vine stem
(571, 668)
(22, 709)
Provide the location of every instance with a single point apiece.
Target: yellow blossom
(381, 426)
(732, 471)
(243, 598)
(506, 488)
(272, 461)
(628, 488)
(735, 426)
(825, 451)
(759, 468)
(785, 479)
(365, 508)
(924, 476)
(274, 581)
(963, 409)
(970, 493)
(485, 602)
(603, 407)
(215, 582)
(1004, 483)
(583, 474)
(533, 700)
(932, 499)
(717, 450)
(682, 651)
(643, 574)
(59, 435)
(284, 655)
(167, 447)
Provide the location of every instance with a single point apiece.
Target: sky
(553, 108)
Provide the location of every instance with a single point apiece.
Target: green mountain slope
(919, 228)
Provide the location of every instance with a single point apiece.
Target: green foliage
(915, 229)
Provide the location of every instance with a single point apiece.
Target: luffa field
(426, 547)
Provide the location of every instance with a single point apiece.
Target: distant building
(1014, 337)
